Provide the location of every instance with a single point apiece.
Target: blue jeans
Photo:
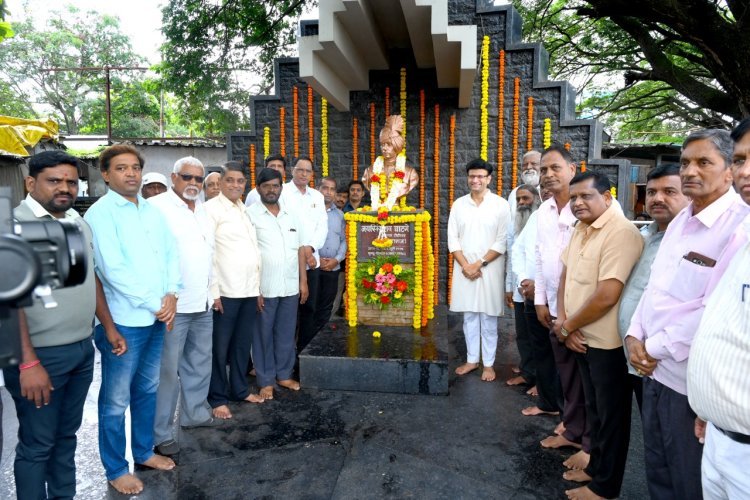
(47, 435)
(128, 380)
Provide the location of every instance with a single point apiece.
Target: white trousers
(724, 468)
(480, 326)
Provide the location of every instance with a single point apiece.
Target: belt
(735, 436)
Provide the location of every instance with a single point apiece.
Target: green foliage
(218, 54)
(6, 31)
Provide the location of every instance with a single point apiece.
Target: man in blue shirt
(136, 259)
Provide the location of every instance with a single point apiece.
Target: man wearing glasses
(186, 354)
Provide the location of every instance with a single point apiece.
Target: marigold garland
(403, 105)
(500, 127)
(266, 141)
(436, 201)
(387, 102)
(484, 126)
(351, 271)
(547, 134)
(421, 145)
(583, 166)
(310, 130)
(355, 149)
(516, 109)
(451, 191)
(324, 136)
(529, 123)
(372, 134)
(613, 191)
(251, 164)
(282, 131)
(295, 120)
(567, 146)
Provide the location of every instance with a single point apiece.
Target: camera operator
(49, 387)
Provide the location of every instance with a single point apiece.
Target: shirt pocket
(587, 270)
(690, 281)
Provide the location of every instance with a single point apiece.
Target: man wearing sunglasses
(186, 354)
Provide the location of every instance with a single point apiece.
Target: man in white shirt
(283, 285)
(530, 165)
(276, 162)
(234, 289)
(477, 235)
(186, 354)
(310, 208)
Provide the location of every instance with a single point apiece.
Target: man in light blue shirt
(136, 259)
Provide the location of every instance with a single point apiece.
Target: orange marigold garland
(451, 191)
(355, 149)
(421, 146)
(567, 146)
(282, 131)
(516, 109)
(436, 202)
(251, 164)
(583, 166)
(529, 123)
(295, 120)
(402, 96)
(387, 102)
(500, 123)
(372, 133)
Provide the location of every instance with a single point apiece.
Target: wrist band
(30, 364)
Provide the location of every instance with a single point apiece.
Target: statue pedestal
(375, 296)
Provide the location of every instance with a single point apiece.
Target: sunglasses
(188, 178)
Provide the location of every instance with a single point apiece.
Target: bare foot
(222, 412)
(266, 392)
(254, 398)
(558, 442)
(517, 380)
(578, 476)
(127, 484)
(582, 493)
(159, 462)
(535, 410)
(488, 374)
(578, 461)
(533, 391)
(560, 429)
(466, 368)
(289, 383)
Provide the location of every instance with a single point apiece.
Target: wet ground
(473, 443)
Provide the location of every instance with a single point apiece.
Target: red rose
(385, 299)
(399, 174)
(401, 286)
(387, 267)
(382, 215)
(375, 178)
(366, 283)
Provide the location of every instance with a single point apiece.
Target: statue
(389, 179)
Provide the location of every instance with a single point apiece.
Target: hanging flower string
(355, 149)
(567, 146)
(403, 105)
(516, 110)
(436, 201)
(387, 102)
(310, 130)
(547, 134)
(529, 123)
(295, 120)
(266, 141)
(282, 131)
(251, 164)
(583, 166)
(324, 136)
(484, 125)
(451, 191)
(500, 125)
(421, 146)
(372, 134)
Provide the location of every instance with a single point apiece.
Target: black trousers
(636, 383)
(328, 285)
(306, 312)
(574, 409)
(524, 344)
(671, 451)
(608, 403)
(547, 378)
(232, 338)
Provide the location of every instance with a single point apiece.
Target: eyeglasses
(188, 178)
(480, 177)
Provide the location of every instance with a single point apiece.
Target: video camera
(35, 258)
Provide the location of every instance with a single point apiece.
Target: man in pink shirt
(693, 255)
(554, 228)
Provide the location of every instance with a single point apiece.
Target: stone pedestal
(402, 360)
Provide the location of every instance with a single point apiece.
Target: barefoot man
(477, 236)
(137, 260)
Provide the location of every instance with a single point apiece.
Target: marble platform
(402, 360)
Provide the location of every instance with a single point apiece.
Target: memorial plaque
(401, 234)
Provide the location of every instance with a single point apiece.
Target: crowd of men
(194, 289)
(605, 312)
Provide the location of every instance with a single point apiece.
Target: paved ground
(473, 443)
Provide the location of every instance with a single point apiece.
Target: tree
(218, 54)
(6, 31)
(71, 39)
(679, 64)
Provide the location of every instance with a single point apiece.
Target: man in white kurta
(477, 235)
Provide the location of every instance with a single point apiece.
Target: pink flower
(390, 277)
(380, 288)
(380, 278)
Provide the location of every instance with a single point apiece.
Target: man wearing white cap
(153, 183)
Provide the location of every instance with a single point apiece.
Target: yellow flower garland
(547, 133)
(403, 105)
(324, 135)
(484, 131)
(266, 142)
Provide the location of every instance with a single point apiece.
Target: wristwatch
(175, 294)
(563, 331)
(484, 262)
